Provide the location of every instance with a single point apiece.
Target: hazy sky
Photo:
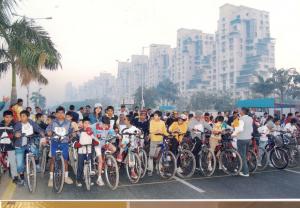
(92, 34)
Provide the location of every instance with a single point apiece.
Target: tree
(150, 97)
(202, 101)
(38, 99)
(167, 91)
(224, 102)
(263, 86)
(282, 79)
(27, 50)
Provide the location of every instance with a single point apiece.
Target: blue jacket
(94, 120)
(57, 124)
(18, 129)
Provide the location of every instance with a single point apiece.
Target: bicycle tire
(279, 158)
(204, 156)
(111, 169)
(73, 160)
(59, 174)
(43, 161)
(186, 156)
(229, 166)
(293, 153)
(162, 165)
(31, 173)
(137, 168)
(144, 162)
(87, 176)
(263, 158)
(251, 161)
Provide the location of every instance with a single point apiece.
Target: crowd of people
(91, 125)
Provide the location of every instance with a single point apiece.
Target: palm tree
(263, 86)
(27, 50)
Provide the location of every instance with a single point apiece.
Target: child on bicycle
(86, 137)
(179, 129)
(7, 133)
(102, 131)
(24, 128)
(126, 139)
(157, 126)
(60, 126)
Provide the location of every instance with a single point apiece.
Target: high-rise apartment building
(244, 48)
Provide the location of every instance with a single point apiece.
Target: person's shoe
(78, 184)
(133, 174)
(150, 173)
(50, 182)
(259, 164)
(244, 175)
(100, 182)
(15, 180)
(93, 173)
(119, 158)
(68, 180)
(179, 170)
(38, 168)
(209, 167)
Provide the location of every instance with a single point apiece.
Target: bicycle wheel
(144, 162)
(167, 165)
(230, 161)
(44, 160)
(207, 162)
(251, 161)
(187, 164)
(262, 158)
(188, 145)
(59, 174)
(133, 164)
(293, 153)
(87, 176)
(111, 172)
(279, 158)
(31, 173)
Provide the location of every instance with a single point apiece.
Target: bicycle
(73, 157)
(44, 158)
(229, 158)
(131, 158)
(207, 159)
(252, 160)
(186, 161)
(30, 161)
(59, 165)
(87, 168)
(111, 168)
(4, 164)
(142, 154)
(262, 156)
(278, 156)
(290, 145)
(166, 160)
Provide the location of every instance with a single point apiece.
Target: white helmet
(98, 105)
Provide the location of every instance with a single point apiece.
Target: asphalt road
(268, 184)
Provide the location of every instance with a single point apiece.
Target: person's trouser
(243, 146)
(81, 159)
(20, 157)
(20, 153)
(174, 146)
(152, 153)
(11, 156)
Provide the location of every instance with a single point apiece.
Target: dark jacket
(18, 129)
(143, 125)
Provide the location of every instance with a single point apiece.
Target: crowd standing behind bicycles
(141, 140)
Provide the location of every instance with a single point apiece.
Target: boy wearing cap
(179, 129)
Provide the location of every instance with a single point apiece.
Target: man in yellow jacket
(157, 126)
(16, 109)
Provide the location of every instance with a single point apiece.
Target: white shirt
(263, 130)
(290, 128)
(83, 140)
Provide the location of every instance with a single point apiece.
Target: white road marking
(199, 190)
(292, 171)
